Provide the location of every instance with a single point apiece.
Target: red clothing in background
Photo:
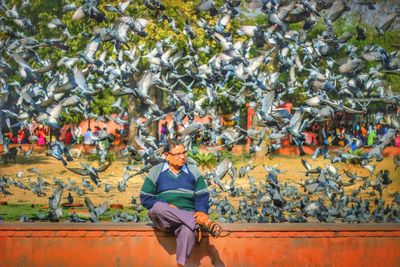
(68, 137)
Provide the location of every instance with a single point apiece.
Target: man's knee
(158, 208)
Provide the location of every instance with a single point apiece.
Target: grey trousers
(181, 223)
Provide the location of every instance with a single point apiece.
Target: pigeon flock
(260, 64)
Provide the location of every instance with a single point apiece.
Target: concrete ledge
(109, 244)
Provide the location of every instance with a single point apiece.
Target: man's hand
(172, 205)
(201, 217)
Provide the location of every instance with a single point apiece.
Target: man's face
(176, 156)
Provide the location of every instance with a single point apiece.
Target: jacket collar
(166, 167)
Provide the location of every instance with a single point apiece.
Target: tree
(196, 41)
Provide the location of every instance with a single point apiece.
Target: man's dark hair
(171, 143)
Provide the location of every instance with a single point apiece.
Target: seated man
(176, 196)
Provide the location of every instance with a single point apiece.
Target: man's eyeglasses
(183, 153)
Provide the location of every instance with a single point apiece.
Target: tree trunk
(136, 110)
(158, 97)
(133, 115)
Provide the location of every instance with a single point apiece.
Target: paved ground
(51, 168)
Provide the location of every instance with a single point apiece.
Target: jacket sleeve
(201, 195)
(148, 194)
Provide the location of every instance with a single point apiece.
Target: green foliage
(204, 159)
(235, 158)
(81, 31)
(102, 103)
(95, 157)
(386, 41)
(344, 24)
(245, 157)
(225, 105)
(228, 155)
(71, 118)
(213, 216)
(315, 31)
(356, 152)
(373, 38)
(13, 212)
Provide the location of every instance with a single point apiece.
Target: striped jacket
(186, 190)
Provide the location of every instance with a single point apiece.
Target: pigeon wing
(101, 209)
(79, 171)
(104, 167)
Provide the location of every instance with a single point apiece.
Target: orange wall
(107, 244)
(111, 126)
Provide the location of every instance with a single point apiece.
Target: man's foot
(198, 233)
(213, 228)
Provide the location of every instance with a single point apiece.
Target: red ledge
(235, 227)
(233, 230)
